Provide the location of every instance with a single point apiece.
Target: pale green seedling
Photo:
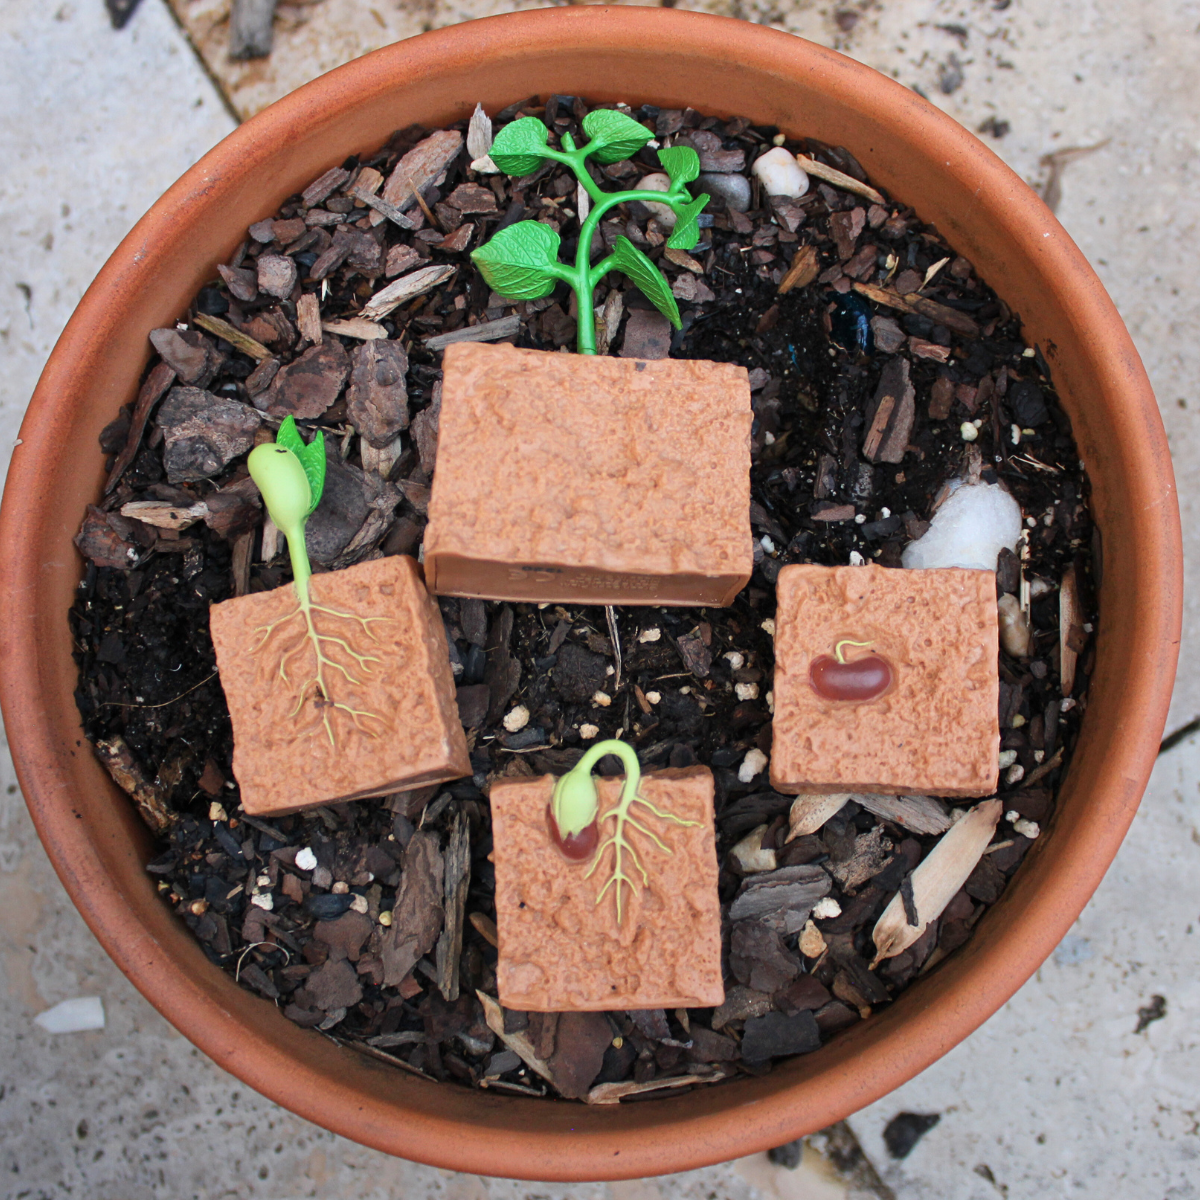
(290, 474)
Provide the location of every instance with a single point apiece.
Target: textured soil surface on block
(389, 720)
(935, 729)
(561, 950)
(590, 479)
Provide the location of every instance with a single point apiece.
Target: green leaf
(687, 230)
(519, 262)
(614, 135)
(311, 456)
(649, 279)
(520, 147)
(681, 163)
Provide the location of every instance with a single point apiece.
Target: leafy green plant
(290, 474)
(576, 820)
(521, 262)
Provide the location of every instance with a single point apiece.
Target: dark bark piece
(1027, 403)
(696, 656)
(651, 1023)
(871, 854)
(457, 878)
(782, 899)
(189, 353)
(986, 881)
(331, 986)
(891, 414)
(806, 994)
(472, 616)
(234, 509)
(578, 674)
(425, 430)
(307, 387)
(889, 337)
(242, 284)
(418, 914)
(127, 774)
(324, 186)
(740, 1003)
(345, 935)
(277, 275)
(759, 959)
(377, 396)
(503, 671)
(834, 1017)
(473, 705)
(420, 167)
(941, 398)
(710, 1047)
(400, 258)
(261, 377)
(203, 433)
(774, 1035)
(100, 542)
(582, 1039)
(647, 335)
(845, 228)
(472, 198)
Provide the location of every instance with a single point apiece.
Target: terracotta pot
(640, 55)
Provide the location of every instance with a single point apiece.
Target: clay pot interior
(637, 55)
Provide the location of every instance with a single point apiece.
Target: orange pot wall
(638, 55)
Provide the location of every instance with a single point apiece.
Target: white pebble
(263, 900)
(263, 881)
(753, 765)
(1015, 635)
(1015, 774)
(517, 719)
(968, 431)
(1067, 704)
(1012, 815)
(340, 888)
(602, 699)
(969, 530)
(358, 904)
(735, 658)
(768, 626)
(826, 909)
(385, 918)
(1029, 829)
(306, 859)
(610, 669)
(750, 854)
(216, 812)
(1007, 758)
(766, 543)
(649, 635)
(746, 691)
(856, 559)
(1016, 435)
(780, 173)
(653, 697)
(685, 691)
(587, 732)
(72, 1016)
(770, 702)
(658, 182)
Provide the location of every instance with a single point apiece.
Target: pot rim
(484, 1133)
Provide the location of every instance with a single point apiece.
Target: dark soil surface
(150, 698)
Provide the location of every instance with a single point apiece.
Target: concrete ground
(1057, 1095)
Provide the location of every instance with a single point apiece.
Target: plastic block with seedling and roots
(606, 889)
(339, 685)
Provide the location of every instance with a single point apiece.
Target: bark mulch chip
(374, 922)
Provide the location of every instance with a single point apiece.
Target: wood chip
(165, 516)
(931, 350)
(385, 210)
(895, 406)
(151, 392)
(235, 337)
(920, 814)
(457, 880)
(517, 1041)
(406, 288)
(324, 186)
(485, 927)
(937, 880)
(806, 263)
(127, 774)
(1070, 628)
(420, 167)
(810, 166)
(681, 258)
(355, 327)
(922, 305)
(809, 813)
(613, 1093)
(783, 898)
(308, 317)
(479, 134)
(486, 331)
(417, 914)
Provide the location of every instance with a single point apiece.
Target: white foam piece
(970, 529)
(780, 173)
(73, 1016)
